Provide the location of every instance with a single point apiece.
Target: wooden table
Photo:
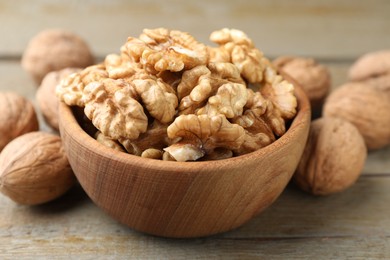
(354, 224)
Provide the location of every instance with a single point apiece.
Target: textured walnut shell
(372, 69)
(370, 65)
(382, 83)
(365, 107)
(17, 116)
(55, 49)
(46, 95)
(34, 169)
(333, 158)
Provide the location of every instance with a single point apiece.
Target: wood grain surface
(354, 224)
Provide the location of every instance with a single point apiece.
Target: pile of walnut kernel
(167, 96)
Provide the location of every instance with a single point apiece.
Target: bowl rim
(70, 125)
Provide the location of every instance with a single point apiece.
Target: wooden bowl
(184, 199)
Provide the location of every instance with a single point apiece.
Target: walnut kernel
(111, 107)
(162, 49)
(107, 141)
(242, 52)
(152, 153)
(70, 89)
(202, 134)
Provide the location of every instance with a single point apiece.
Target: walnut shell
(372, 64)
(46, 95)
(382, 83)
(366, 107)
(17, 117)
(55, 49)
(333, 158)
(372, 69)
(34, 169)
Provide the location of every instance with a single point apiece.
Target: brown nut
(161, 49)
(333, 158)
(70, 89)
(17, 117)
(158, 98)
(314, 78)
(201, 134)
(154, 137)
(113, 110)
(34, 169)
(382, 83)
(152, 153)
(46, 95)
(370, 65)
(236, 47)
(55, 49)
(367, 108)
(107, 141)
(374, 69)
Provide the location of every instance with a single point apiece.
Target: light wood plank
(359, 211)
(362, 210)
(119, 247)
(324, 29)
(14, 78)
(351, 224)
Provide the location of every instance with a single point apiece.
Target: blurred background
(333, 30)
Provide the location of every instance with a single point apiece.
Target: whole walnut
(365, 107)
(34, 169)
(333, 158)
(55, 49)
(46, 95)
(314, 78)
(17, 117)
(372, 68)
